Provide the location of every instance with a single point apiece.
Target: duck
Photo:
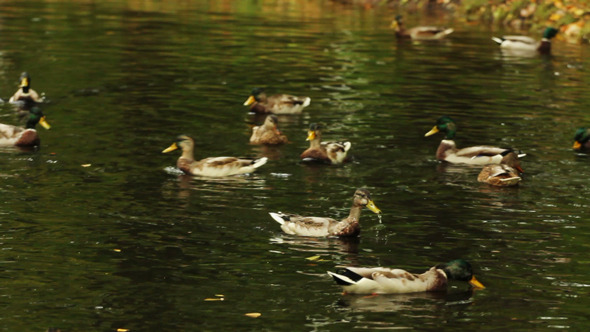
(475, 155)
(326, 152)
(24, 136)
(25, 96)
(419, 32)
(582, 139)
(506, 174)
(212, 166)
(268, 133)
(382, 280)
(295, 224)
(259, 102)
(527, 44)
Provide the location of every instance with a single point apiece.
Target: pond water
(98, 232)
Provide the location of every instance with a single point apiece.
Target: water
(128, 243)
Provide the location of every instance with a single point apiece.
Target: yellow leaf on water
(253, 314)
(313, 258)
(219, 295)
(214, 299)
(117, 250)
(86, 165)
(122, 330)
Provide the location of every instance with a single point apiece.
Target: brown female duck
(327, 152)
(506, 174)
(259, 102)
(212, 166)
(419, 32)
(321, 226)
(268, 133)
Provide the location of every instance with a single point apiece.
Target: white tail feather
(306, 102)
(277, 217)
(259, 162)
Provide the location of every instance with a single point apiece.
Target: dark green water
(128, 244)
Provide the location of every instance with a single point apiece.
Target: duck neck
(544, 46)
(315, 143)
(188, 154)
(445, 146)
(355, 213)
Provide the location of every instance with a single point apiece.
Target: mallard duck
(277, 104)
(475, 155)
(23, 136)
(527, 44)
(268, 133)
(328, 152)
(582, 139)
(419, 32)
(381, 280)
(25, 95)
(506, 174)
(320, 226)
(212, 166)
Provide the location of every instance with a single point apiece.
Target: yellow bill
(249, 101)
(476, 283)
(577, 145)
(172, 147)
(433, 131)
(371, 206)
(44, 123)
(24, 82)
(310, 135)
(394, 24)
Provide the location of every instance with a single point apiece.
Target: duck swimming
(259, 102)
(326, 152)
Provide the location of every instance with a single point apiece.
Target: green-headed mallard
(212, 166)
(24, 136)
(327, 152)
(475, 155)
(268, 133)
(381, 280)
(527, 44)
(259, 102)
(506, 174)
(582, 139)
(419, 32)
(321, 226)
(25, 95)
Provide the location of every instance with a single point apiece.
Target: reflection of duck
(505, 174)
(268, 133)
(25, 95)
(321, 226)
(212, 166)
(278, 104)
(582, 139)
(380, 280)
(527, 44)
(328, 152)
(419, 32)
(27, 136)
(475, 155)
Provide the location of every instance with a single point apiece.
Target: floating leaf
(122, 330)
(253, 314)
(214, 299)
(313, 258)
(86, 165)
(117, 250)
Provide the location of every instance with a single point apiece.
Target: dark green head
(36, 116)
(550, 33)
(582, 135)
(460, 269)
(257, 92)
(314, 127)
(446, 125)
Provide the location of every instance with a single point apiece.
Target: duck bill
(577, 145)
(311, 135)
(172, 147)
(44, 123)
(394, 25)
(249, 101)
(371, 206)
(518, 168)
(433, 131)
(24, 82)
(473, 282)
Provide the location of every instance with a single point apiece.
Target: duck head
(550, 33)
(510, 158)
(461, 270)
(362, 197)
(256, 95)
(581, 138)
(25, 81)
(314, 132)
(443, 124)
(183, 142)
(36, 116)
